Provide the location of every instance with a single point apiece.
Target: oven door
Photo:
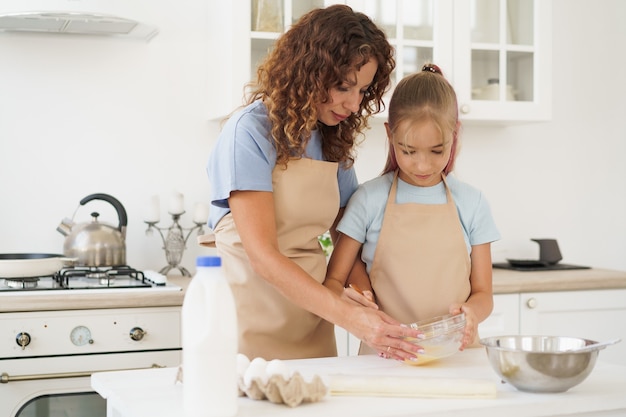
(71, 397)
(61, 386)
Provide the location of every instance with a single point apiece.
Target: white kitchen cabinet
(594, 314)
(597, 315)
(241, 32)
(341, 338)
(347, 343)
(475, 42)
(502, 63)
(504, 318)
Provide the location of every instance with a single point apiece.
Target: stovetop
(81, 278)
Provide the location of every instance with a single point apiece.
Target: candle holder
(174, 242)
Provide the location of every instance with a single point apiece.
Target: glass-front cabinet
(414, 28)
(502, 59)
(496, 53)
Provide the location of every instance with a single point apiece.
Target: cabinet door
(502, 59)
(413, 27)
(597, 315)
(341, 338)
(347, 343)
(229, 35)
(418, 30)
(239, 43)
(241, 32)
(504, 319)
(497, 53)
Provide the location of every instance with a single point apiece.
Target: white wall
(82, 115)
(565, 179)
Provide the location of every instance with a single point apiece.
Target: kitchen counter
(509, 281)
(153, 392)
(504, 281)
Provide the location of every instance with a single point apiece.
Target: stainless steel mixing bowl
(542, 363)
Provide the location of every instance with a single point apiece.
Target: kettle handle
(121, 212)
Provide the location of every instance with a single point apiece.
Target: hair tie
(432, 68)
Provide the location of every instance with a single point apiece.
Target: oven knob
(23, 339)
(137, 333)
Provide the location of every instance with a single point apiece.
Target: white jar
(209, 338)
(492, 91)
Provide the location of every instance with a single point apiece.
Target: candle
(177, 203)
(154, 210)
(200, 213)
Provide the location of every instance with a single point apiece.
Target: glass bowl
(443, 335)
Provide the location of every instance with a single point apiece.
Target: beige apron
(421, 264)
(306, 198)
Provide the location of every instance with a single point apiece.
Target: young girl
(423, 235)
(281, 173)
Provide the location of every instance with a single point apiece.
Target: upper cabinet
(502, 65)
(496, 53)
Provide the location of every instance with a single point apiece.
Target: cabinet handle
(531, 303)
(465, 108)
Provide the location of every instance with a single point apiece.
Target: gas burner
(21, 283)
(97, 275)
(104, 278)
(84, 278)
(80, 277)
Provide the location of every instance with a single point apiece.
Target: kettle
(96, 244)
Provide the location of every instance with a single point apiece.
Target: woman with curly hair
(281, 173)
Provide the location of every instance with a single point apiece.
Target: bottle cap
(209, 261)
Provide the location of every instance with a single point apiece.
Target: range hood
(77, 17)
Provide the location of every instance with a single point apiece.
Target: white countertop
(153, 393)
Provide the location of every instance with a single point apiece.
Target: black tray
(535, 265)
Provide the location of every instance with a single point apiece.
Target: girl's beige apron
(306, 198)
(421, 264)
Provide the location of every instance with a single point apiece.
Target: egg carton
(278, 390)
(291, 391)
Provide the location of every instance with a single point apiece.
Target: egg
(278, 367)
(242, 364)
(256, 369)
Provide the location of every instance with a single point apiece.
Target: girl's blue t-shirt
(243, 159)
(362, 219)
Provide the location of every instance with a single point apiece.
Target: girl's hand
(355, 295)
(471, 323)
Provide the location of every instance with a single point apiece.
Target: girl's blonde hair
(320, 52)
(424, 95)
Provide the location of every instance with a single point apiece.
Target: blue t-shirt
(363, 217)
(243, 159)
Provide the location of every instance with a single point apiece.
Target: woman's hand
(354, 294)
(383, 333)
(471, 323)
